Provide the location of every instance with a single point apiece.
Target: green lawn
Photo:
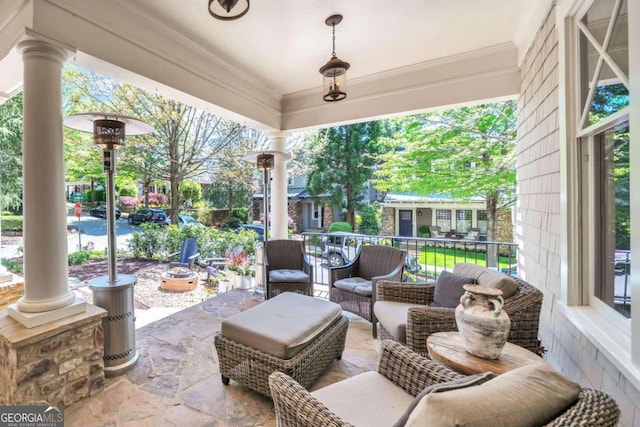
(446, 258)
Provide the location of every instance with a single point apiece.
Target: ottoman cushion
(283, 275)
(282, 326)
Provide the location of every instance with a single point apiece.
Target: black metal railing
(427, 257)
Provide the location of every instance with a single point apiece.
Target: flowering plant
(128, 201)
(240, 263)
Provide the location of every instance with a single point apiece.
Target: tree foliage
(344, 160)
(184, 141)
(464, 153)
(11, 153)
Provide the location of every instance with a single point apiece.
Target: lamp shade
(108, 134)
(334, 74)
(265, 161)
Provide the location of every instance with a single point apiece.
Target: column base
(31, 320)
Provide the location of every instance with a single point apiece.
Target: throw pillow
(448, 289)
(488, 277)
(468, 381)
(529, 396)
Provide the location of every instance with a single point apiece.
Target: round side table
(448, 349)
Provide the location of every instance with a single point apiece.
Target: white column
(279, 211)
(46, 293)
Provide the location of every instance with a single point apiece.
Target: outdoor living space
(177, 379)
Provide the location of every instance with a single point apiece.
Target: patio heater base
(120, 352)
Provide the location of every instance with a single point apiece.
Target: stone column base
(59, 362)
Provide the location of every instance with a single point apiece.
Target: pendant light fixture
(334, 72)
(224, 9)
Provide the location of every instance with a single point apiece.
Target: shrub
(156, 199)
(80, 257)
(240, 213)
(11, 265)
(190, 190)
(203, 213)
(126, 187)
(11, 223)
(340, 226)
(128, 201)
(233, 223)
(95, 195)
(370, 220)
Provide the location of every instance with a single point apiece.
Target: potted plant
(243, 267)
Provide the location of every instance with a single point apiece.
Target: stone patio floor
(177, 380)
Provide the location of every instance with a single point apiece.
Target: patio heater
(265, 161)
(113, 292)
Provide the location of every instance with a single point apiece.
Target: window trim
(599, 328)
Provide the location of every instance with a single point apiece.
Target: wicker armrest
(404, 292)
(296, 407)
(593, 408)
(342, 272)
(409, 370)
(424, 321)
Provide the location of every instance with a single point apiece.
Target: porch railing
(432, 255)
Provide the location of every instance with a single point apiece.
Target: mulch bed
(100, 267)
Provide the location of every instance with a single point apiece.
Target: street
(93, 232)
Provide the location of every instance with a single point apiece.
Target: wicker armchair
(523, 309)
(297, 407)
(287, 268)
(353, 285)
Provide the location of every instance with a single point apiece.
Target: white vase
(483, 324)
(244, 282)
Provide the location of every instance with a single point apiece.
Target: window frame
(610, 334)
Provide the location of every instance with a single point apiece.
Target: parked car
(256, 228)
(157, 216)
(185, 220)
(101, 212)
(340, 248)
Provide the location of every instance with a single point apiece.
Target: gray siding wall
(538, 224)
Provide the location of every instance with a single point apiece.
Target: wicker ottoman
(291, 333)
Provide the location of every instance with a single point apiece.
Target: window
(604, 157)
(606, 188)
(443, 220)
(463, 220)
(482, 221)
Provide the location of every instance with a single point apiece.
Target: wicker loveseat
(422, 320)
(381, 398)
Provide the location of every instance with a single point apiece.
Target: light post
(265, 161)
(113, 292)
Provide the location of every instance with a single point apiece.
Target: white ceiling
(406, 56)
(283, 43)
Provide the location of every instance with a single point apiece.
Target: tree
(11, 153)
(184, 139)
(344, 160)
(466, 152)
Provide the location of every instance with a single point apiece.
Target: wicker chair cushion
(393, 316)
(487, 277)
(281, 326)
(529, 396)
(356, 285)
(368, 399)
(449, 289)
(284, 275)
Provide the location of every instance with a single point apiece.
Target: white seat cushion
(282, 326)
(366, 400)
(357, 285)
(289, 276)
(392, 315)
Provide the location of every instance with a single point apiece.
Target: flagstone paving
(177, 379)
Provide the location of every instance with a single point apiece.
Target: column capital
(43, 49)
(278, 134)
